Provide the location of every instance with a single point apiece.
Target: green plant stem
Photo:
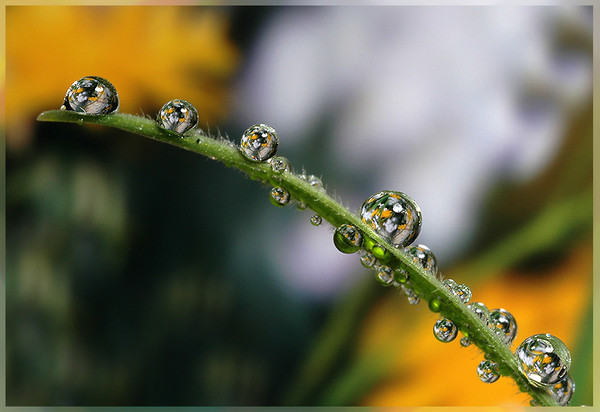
(422, 282)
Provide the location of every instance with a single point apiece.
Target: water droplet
(401, 275)
(533, 402)
(414, 300)
(435, 304)
(488, 371)
(279, 164)
(91, 95)
(445, 330)
(280, 196)
(562, 392)
(347, 239)
(316, 220)
(424, 257)
(367, 260)
(259, 142)
(394, 216)
(503, 324)
(385, 275)
(379, 252)
(464, 341)
(449, 284)
(544, 359)
(463, 292)
(301, 205)
(480, 310)
(178, 116)
(315, 182)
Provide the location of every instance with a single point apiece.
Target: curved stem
(426, 285)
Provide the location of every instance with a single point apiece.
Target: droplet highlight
(178, 116)
(487, 371)
(543, 359)
(259, 143)
(91, 95)
(347, 239)
(394, 216)
(445, 330)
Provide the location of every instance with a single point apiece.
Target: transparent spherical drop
(563, 391)
(178, 115)
(424, 257)
(450, 284)
(480, 310)
(279, 196)
(347, 239)
(543, 359)
(279, 164)
(401, 275)
(316, 220)
(379, 252)
(488, 371)
(464, 341)
(445, 330)
(413, 300)
(463, 292)
(368, 260)
(315, 182)
(435, 304)
(394, 216)
(385, 275)
(259, 143)
(91, 95)
(503, 324)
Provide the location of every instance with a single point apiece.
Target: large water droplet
(316, 220)
(480, 310)
(445, 330)
(91, 95)
(279, 196)
(259, 142)
(424, 257)
(503, 324)
(279, 164)
(544, 359)
(178, 116)
(562, 392)
(347, 239)
(394, 216)
(488, 371)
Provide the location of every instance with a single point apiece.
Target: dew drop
(543, 359)
(259, 142)
(367, 260)
(347, 239)
(394, 216)
(435, 304)
(316, 220)
(488, 371)
(178, 116)
(379, 252)
(450, 284)
(503, 324)
(463, 292)
(315, 182)
(301, 205)
(464, 341)
(533, 402)
(385, 275)
(91, 95)
(562, 392)
(414, 300)
(424, 257)
(279, 196)
(279, 164)
(480, 310)
(401, 275)
(445, 330)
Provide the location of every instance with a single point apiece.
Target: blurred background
(141, 274)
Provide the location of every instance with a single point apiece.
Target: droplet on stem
(178, 116)
(503, 324)
(91, 95)
(424, 257)
(279, 196)
(347, 239)
(316, 220)
(445, 330)
(259, 143)
(488, 371)
(543, 359)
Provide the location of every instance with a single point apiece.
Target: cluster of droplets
(543, 359)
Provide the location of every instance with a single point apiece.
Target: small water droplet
(367, 260)
(279, 196)
(463, 292)
(379, 252)
(424, 257)
(543, 359)
(503, 324)
(394, 216)
(464, 341)
(480, 310)
(445, 330)
(316, 220)
(488, 371)
(259, 143)
(315, 182)
(450, 284)
(533, 402)
(178, 116)
(562, 392)
(385, 275)
(91, 95)
(401, 275)
(413, 300)
(347, 239)
(279, 164)
(435, 304)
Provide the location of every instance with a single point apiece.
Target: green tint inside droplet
(347, 239)
(368, 243)
(435, 305)
(379, 252)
